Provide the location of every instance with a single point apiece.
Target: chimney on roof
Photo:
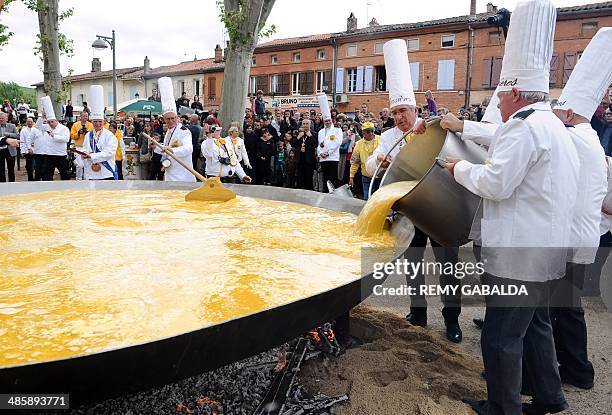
(351, 23)
(147, 65)
(218, 54)
(96, 65)
(491, 8)
(472, 7)
(373, 22)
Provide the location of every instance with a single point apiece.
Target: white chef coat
(179, 140)
(107, 146)
(479, 132)
(212, 149)
(529, 192)
(387, 140)
(592, 188)
(332, 139)
(56, 145)
(240, 150)
(28, 137)
(606, 208)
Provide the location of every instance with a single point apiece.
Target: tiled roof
(606, 5)
(121, 73)
(193, 66)
(296, 40)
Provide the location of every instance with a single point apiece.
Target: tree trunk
(239, 59)
(49, 28)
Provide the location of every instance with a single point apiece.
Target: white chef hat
(47, 107)
(167, 95)
(529, 47)
(96, 102)
(492, 113)
(399, 81)
(324, 106)
(590, 78)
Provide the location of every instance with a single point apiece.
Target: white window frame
(412, 39)
(381, 48)
(274, 83)
(448, 38)
(253, 85)
(80, 99)
(197, 87)
(320, 78)
(351, 80)
(295, 83)
(451, 82)
(321, 54)
(351, 47)
(297, 57)
(273, 59)
(181, 88)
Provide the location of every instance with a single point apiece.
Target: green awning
(142, 106)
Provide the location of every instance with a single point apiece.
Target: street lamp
(99, 44)
(137, 95)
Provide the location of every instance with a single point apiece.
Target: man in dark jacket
(196, 130)
(265, 151)
(305, 145)
(260, 105)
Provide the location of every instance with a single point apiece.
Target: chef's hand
(246, 179)
(452, 123)
(248, 166)
(386, 161)
(351, 182)
(420, 127)
(85, 156)
(166, 148)
(450, 164)
(13, 142)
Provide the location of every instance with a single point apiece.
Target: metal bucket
(438, 205)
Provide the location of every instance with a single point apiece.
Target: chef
(177, 138)
(403, 107)
(99, 145)
(239, 147)
(53, 143)
(582, 94)
(529, 192)
(328, 149)
(222, 161)
(28, 137)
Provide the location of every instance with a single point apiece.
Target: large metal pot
(137, 367)
(438, 205)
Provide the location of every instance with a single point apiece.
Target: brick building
(458, 59)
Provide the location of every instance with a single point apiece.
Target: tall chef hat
(167, 95)
(47, 107)
(529, 47)
(96, 102)
(492, 113)
(324, 105)
(399, 80)
(590, 78)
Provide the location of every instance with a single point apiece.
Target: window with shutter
(262, 83)
(359, 79)
(446, 74)
(339, 80)
(284, 84)
(414, 75)
(554, 69)
(380, 83)
(327, 79)
(307, 83)
(496, 71)
(274, 84)
(569, 61)
(486, 72)
(367, 79)
(351, 80)
(212, 88)
(295, 83)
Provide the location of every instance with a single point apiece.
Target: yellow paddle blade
(211, 191)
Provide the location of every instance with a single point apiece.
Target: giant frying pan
(129, 369)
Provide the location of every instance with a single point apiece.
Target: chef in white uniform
(328, 148)
(177, 138)
(529, 193)
(239, 147)
(221, 158)
(28, 137)
(99, 145)
(53, 142)
(582, 94)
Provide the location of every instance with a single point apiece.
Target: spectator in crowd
(196, 105)
(28, 137)
(69, 112)
(349, 137)
(195, 130)
(129, 127)
(317, 123)
(260, 105)
(7, 152)
(280, 159)
(265, 153)
(287, 138)
(387, 120)
(334, 114)
(251, 140)
(287, 123)
(431, 104)
(183, 101)
(605, 135)
(22, 111)
(119, 154)
(86, 108)
(291, 179)
(362, 151)
(7, 108)
(305, 145)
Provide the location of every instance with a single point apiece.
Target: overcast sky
(172, 32)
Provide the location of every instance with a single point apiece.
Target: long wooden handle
(179, 161)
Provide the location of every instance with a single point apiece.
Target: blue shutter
(359, 88)
(339, 80)
(446, 74)
(369, 72)
(414, 75)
